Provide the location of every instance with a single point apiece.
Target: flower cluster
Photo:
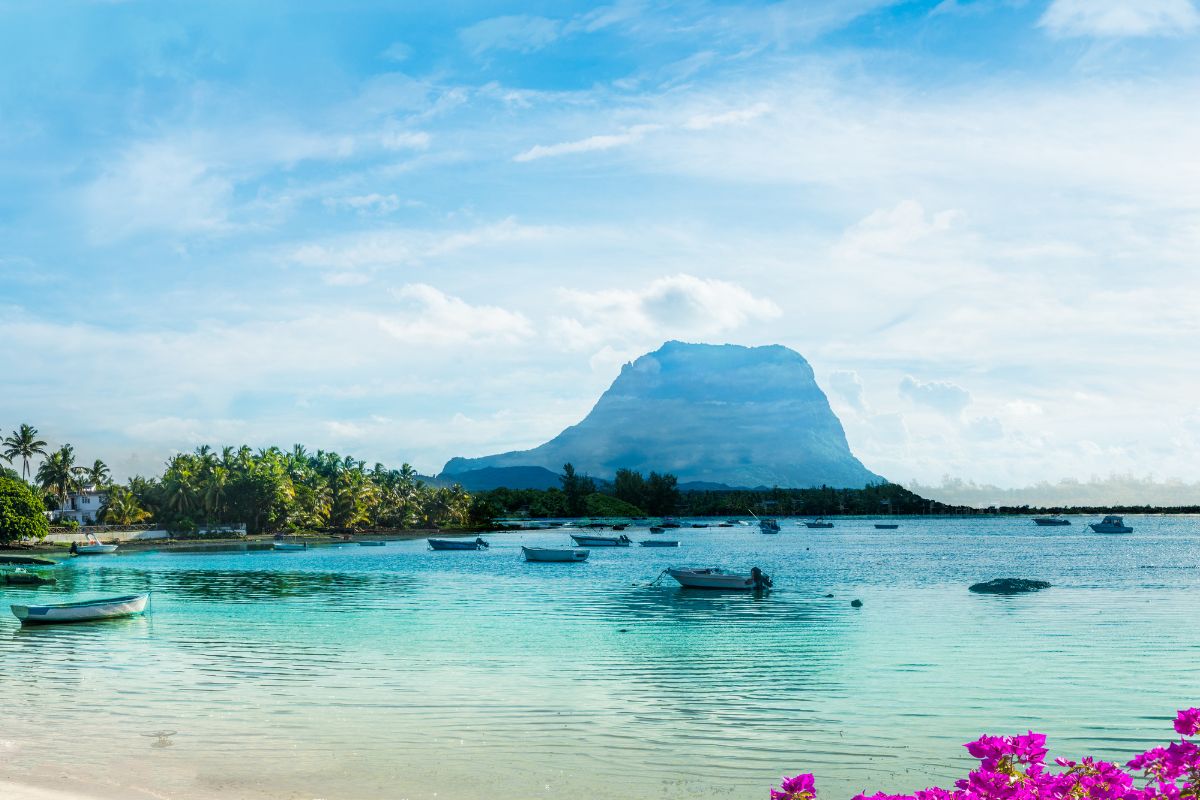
(1014, 768)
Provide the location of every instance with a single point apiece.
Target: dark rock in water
(1008, 586)
(856, 603)
(719, 414)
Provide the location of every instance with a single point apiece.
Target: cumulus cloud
(674, 306)
(942, 396)
(433, 317)
(848, 386)
(1119, 18)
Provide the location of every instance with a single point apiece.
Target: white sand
(17, 791)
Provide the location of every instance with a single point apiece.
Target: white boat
(818, 523)
(87, 611)
(92, 547)
(659, 543)
(1111, 524)
(1051, 522)
(552, 554)
(602, 541)
(717, 578)
(289, 546)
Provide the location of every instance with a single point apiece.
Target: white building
(82, 506)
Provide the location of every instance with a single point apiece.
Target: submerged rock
(1008, 586)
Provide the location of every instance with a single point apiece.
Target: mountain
(719, 414)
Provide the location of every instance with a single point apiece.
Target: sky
(411, 231)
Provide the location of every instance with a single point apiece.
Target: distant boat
(602, 541)
(735, 522)
(371, 543)
(768, 525)
(724, 524)
(553, 554)
(289, 547)
(94, 549)
(457, 544)
(717, 578)
(883, 526)
(1111, 524)
(659, 543)
(1052, 521)
(700, 525)
(87, 611)
(620, 527)
(819, 522)
(671, 523)
(656, 529)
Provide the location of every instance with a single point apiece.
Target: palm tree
(57, 472)
(98, 475)
(23, 444)
(121, 508)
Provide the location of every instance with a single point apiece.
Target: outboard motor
(479, 541)
(626, 539)
(762, 581)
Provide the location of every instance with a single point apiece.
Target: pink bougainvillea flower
(801, 787)
(1187, 721)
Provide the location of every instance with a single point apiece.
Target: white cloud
(1119, 18)
(373, 203)
(522, 33)
(397, 51)
(943, 396)
(588, 145)
(435, 318)
(847, 385)
(737, 116)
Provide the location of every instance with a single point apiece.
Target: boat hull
(1102, 528)
(659, 543)
(711, 579)
(554, 555)
(453, 544)
(818, 524)
(886, 526)
(90, 611)
(95, 549)
(601, 541)
(1051, 523)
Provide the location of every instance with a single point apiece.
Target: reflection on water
(372, 673)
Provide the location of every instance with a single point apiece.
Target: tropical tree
(23, 444)
(98, 474)
(57, 473)
(121, 508)
(22, 515)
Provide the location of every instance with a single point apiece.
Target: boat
(1051, 521)
(819, 522)
(86, 611)
(732, 521)
(724, 524)
(656, 529)
(28, 561)
(551, 554)
(457, 544)
(371, 543)
(717, 578)
(620, 527)
(699, 525)
(602, 541)
(289, 547)
(884, 526)
(1111, 524)
(768, 525)
(92, 547)
(659, 543)
(671, 523)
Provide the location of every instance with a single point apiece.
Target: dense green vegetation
(22, 515)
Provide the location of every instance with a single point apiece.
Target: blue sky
(410, 233)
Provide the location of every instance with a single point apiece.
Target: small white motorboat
(601, 541)
(86, 611)
(289, 547)
(1111, 524)
(457, 544)
(818, 523)
(717, 578)
(551, 554)
(92, 547)
(659, 543)
(1051, 521)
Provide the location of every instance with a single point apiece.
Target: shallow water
(396, 672)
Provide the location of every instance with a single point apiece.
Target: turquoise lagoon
(397, 672)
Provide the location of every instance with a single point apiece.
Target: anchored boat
(602, 541)
(92, 547)
(819, 522)
(86, 611)
(717, 578)
(767, 525)
(1051, 521)
(457, 544)
(659, 543)
(885, 526)
(1111, 524)
(550, 554)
